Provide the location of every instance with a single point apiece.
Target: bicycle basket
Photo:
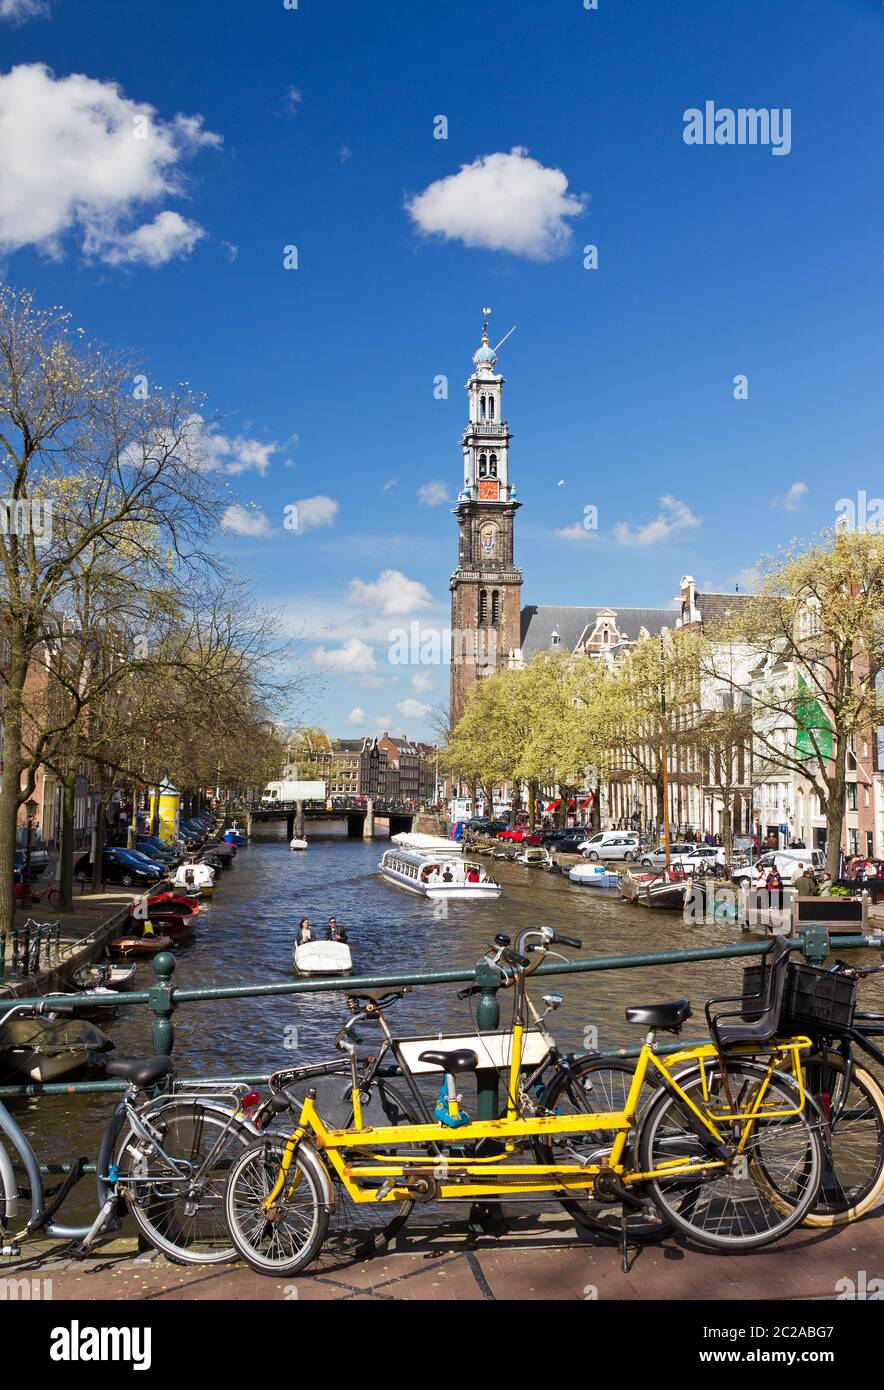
(814, 999)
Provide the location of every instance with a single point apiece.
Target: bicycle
(822, 1002)
(729, 1147)
(165, 1155)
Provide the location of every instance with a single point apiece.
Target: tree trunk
(563, 806)
(727, 829)
(10, 789)
(660, 797)
(532, 804)
(100, 836)
(596, 808)
(515, 803)
(835, 818)
(66, 848)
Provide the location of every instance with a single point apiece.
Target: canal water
(245, 936)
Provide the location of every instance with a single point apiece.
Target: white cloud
(675, 517)
(503, 202)
(17, 11)
(232, 454)
(413, 709)
(294, 96)
(355, 657)
(169, 235)
(793, 500)
(391, 593)
(246, 521)
(433, 494)
(577, 532)
(422, 681)
(356, 717)
(79, 159)
(316, 511)
(389, 485)
(345, 154)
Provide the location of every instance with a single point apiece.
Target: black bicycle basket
(815, 1000)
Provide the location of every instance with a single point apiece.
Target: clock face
(489, 490)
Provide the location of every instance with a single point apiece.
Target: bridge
(358, 812)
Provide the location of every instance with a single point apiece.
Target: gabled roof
(576, 624)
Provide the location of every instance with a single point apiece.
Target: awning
(553, 805)
(584, 805)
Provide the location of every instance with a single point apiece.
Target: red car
(521, 835)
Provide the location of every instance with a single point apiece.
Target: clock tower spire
(486, 587)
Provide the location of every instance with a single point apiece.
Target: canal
(245, 936)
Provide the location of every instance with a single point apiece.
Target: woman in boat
(472, 874)
(305, 932)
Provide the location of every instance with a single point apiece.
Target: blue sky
(316, 130)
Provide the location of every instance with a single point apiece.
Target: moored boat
(438, 875)
(197, 880)
(47, 1048)
(177, 913)
(235, 835)
(299, 843)
(533, 857)
(104, 973)
(322, 958)
(148, 945)
(431, 844)
(595, 876)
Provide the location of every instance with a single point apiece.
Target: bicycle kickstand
(98, 1226)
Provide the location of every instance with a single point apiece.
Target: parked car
(601, 836)
(485, 825)
(569, 841)
(521, 835)
(679, 857)
(787, 862)
(155, 849)
(39, 861)
(622, 846)
(121, 866)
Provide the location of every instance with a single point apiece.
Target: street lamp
(30, 812)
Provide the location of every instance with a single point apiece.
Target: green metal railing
(28, 949)
(164, 998)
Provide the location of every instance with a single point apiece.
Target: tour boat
(47, 1048)
(298, 843)
(322, 958)
(437, 875)
(429, 844)
(197, 880)
(595, 876)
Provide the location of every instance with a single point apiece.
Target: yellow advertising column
(169, 810)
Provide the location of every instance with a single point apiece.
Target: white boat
(533, 857)
(322, 958)
(298, 843)
(195, 880)
(437, 875)
(595, 876)
(431, 844)
(46, 1048)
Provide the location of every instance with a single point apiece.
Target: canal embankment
(41, 957)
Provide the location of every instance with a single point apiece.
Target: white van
(787, 862)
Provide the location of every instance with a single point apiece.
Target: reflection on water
(246, 934)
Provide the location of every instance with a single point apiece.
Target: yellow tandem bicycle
(720, 1137)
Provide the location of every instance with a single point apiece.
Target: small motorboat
(595, 876)
(533, 857)
(298, 844)
(46, 1048)
(219, 856)
(438, 875)
(104, 973)
(102, 1003)
(177, 914)
(196, 880)
(147, 945)
(322, 958)
(670, 888)
(235, 835)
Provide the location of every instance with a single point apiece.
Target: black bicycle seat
(660, 1015)
(461, 1059)
(139, 1071)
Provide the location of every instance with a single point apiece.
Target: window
(481, 407)
(490, 407)
(495, 608)
(483, 607)
(851, 796)
(483, 466)
(492, 466)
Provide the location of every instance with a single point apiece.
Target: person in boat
(447, 875)
(472, 874)
(334, 932)
(305, 932)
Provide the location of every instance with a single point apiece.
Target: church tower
(486, 587)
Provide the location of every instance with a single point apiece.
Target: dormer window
(555, 639)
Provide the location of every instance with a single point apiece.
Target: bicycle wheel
(183, 1219)
(597, 1086)
(760, 1195)
(853, 1169)
(286, 1238)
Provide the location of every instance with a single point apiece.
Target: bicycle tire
(602, 1219)
(187, 1229)
(271, 1244)
(717, 1194)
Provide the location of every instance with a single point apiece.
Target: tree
(77, 449)
(814, 641)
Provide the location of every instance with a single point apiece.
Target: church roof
(572, 624)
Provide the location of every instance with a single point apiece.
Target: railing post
(3, 938)
(13, 975)
(815, 944)
(162, 1005)
(487, 1019)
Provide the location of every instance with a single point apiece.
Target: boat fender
(444, 1115)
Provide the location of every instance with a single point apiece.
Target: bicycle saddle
(462, 1059)
(660, 1015)
(140, 1071)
